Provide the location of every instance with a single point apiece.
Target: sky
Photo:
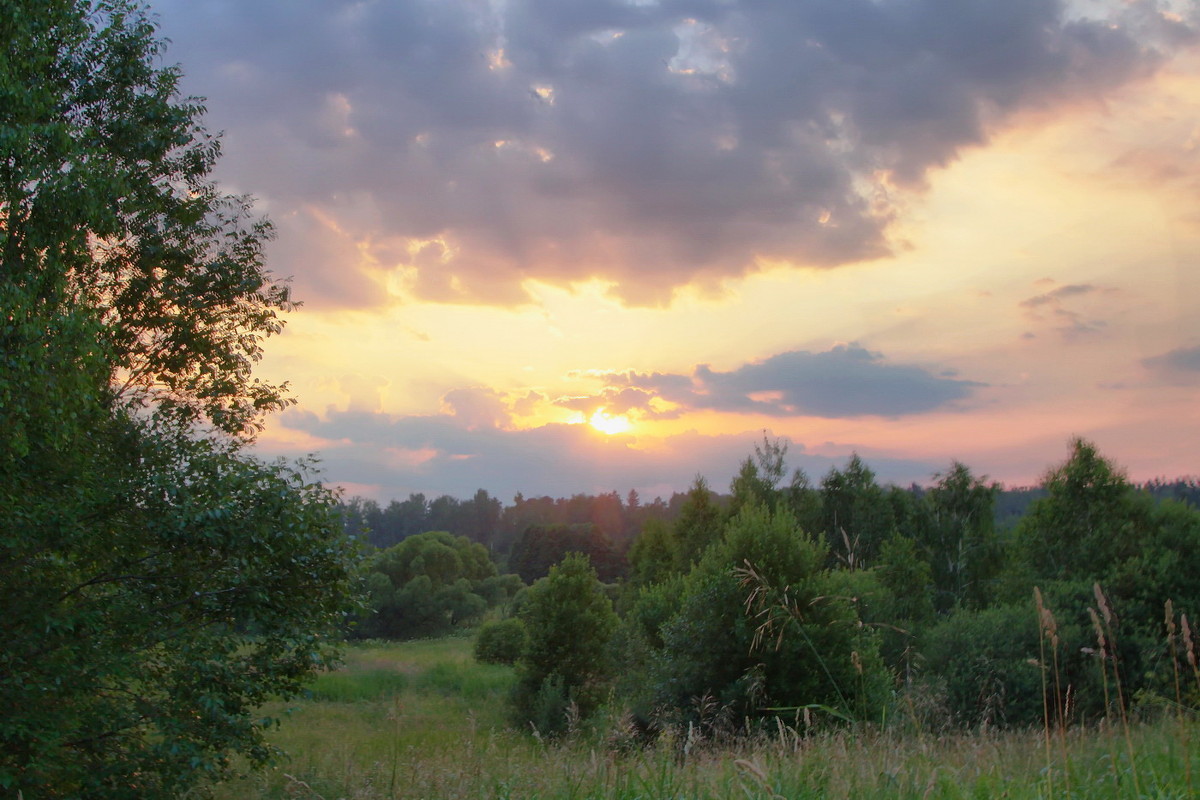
(580, 246)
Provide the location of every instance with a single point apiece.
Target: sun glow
(606, 423)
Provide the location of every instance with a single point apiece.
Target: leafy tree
(500, 588)
(858, 517)
(140, 600)
(429, 583)
(654, 553)
(804, 502)
(959, 538)
(1090, 519)
(699, 524)
(752, 485)
(908, 579)
(107, 204)
(1093, 527)
(898, 602)
(149, 575)
(796, 641)
(988, 660)
(542, 546)
(759, 479)
(500, 641)
(570, 621)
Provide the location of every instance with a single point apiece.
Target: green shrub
(989, 660)
(427, 585)
(500, 642)
(780, 636)
(570, 622)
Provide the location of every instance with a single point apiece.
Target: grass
(422, 720)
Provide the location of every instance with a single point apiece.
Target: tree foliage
(654, 554)
(959, 539)
(1090, 519)
(699, 525)
(500, 641)
(758, 627)
(428, 584)
(540, 547)
(107, 203)
(569, 620)
(857, 516)
(158, 585)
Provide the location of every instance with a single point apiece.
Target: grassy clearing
(422, 720)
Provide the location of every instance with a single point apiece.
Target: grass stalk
(1189, 643)
(1107, 615)
(1184, 732)
(1106, 723)
(1041, 613)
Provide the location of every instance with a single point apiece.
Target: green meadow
(423, 720)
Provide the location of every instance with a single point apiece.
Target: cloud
(393, 456)
(364, 391)
(477, 408)
(463, 147)
(527, 404)
(845, 381)
(1055, 297)
(1052, 307)
(614, 400)
(1180, 366)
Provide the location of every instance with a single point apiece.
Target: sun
(606, 423)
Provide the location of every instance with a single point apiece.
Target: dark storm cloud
(651, 143)
(846, 381)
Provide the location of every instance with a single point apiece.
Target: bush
(780, 637)
(500, 642)
(500, 588)
(570, 622)
(989, 661)
(428, 584)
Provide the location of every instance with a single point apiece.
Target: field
(422, 720)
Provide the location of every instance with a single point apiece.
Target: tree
(540, 547)
(158, 584)
(652, 556)
(759, 477)
(699, 524)
(427, 584)
(569, 621)
(1094, 527)
(858, 516)
(1091, 519)
(960, 539)
(500, 641)
(760, 625)
(157, 589)
(106, 203)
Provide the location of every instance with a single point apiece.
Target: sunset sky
(561, 246)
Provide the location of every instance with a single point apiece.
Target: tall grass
(422, 720)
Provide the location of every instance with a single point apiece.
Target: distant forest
(618, 519)
(847, 598)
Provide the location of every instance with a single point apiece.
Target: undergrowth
(423, 720)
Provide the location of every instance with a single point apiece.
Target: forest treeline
(841, 598)
(609, 523)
